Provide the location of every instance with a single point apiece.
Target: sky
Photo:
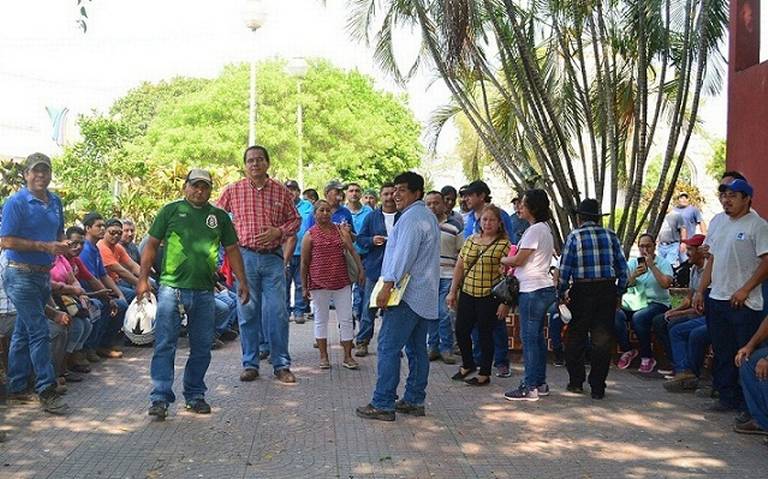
(46, 60)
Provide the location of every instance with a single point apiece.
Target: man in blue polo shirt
(359, 212)
(31, 232)
(292, 257)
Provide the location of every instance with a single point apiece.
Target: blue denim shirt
(305, 210)
(374, 225)
(357, 222)
(26, 217)
(414, 247)
(472, 226)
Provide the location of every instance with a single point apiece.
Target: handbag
(352, 270)
(507, 290)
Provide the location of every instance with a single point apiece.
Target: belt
(278, 251)
(29, 268)
(593, 280)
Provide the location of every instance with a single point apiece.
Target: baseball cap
(739, 186)
(463, 190)
(695, 240)
(292, 185)
(334, 185)
(36, 159)
(477, 186)
(371, 193)
(197, 174)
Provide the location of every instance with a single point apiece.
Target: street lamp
(255, 16)
(298, 67)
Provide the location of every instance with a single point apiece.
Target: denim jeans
(730, 329)
(533, 313)
(661, 329)
(129, 291)
(107, 327)
(293, 276)
(401, 328)
(755, 390)
(670, 252)
(200, 309)
(555, 327)
(357, 300)
(30, 348)
(642, 323)
(266, 283)
(500, 337)
(689, 341)
(226, 311)
(368, 318)
(79, 330)
(440, 334)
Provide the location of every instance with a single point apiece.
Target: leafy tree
(716, 165)
(12, 174)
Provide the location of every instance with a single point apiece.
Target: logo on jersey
(211, 221)
(741, 236)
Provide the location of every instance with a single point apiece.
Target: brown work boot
(109, 353)
(249, 375)
(285, 376)
(92, 357)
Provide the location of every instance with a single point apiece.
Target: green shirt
(192, 239)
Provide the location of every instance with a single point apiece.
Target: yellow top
(479, 280)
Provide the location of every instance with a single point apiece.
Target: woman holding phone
(650, 278)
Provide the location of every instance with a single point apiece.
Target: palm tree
(569, 96)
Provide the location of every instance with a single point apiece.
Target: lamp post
(297, 67)
(255, 16)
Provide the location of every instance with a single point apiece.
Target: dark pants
(730, 330)
(480, 312)
(593, 307)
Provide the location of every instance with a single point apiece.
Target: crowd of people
(266, 254)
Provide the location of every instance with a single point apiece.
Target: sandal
(325, 364)
(476, 382)
(350, 364)
(459, 376)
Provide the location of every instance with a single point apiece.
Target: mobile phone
(641, 260)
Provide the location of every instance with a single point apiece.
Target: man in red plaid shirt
(265, 217)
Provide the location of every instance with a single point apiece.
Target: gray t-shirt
(670, 229)
(736, 247)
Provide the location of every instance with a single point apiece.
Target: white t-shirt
(736, 246)
(534, 274)
(389, 221)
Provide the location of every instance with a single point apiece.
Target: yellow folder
(397, 291)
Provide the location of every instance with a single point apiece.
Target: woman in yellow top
(476, 271)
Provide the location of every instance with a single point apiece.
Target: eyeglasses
(77, 243)
(115, 232)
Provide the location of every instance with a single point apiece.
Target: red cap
(695, 240)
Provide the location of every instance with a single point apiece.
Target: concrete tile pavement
(266, 429)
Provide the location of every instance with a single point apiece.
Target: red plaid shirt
(255, 209)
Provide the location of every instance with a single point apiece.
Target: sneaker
(370, 412)
(543, 389)
(308, 317)
(249, 375)
(263, 355)
(300, 318)
(503, 371)
(749, 427)
(448, 357)
(198, 406)
(217, 344)
(362, 350)
(350, 364)
(522, 393)
(684, 381)
(647, 365)
(407, 408)
(626, 359)
(666, 372)
(228, 335)
(324, 364)
(559, 358)
(285, 376)
(434, 355)
(743, 418)
(159, 409)
(52, 402)
(598, 394)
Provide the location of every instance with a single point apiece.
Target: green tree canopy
(153, 135)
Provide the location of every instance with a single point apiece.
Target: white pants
(342, 300)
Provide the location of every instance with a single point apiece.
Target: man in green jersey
(193, 230)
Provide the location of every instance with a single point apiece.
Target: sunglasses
(115, 232)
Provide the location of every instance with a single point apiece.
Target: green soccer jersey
(192, 238)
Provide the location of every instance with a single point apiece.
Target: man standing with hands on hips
(193, 230)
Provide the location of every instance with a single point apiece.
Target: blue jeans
(642, 324)
(200, 308)
(755, 390)
(226, 311)
(266, 284)
(533, 313)
(670, 252)
(689, 341)
(293, 275)
(440, 334)
(129, 291)
(401, 327)
(368, 318)
(730, 329)
(30, 348)
(79, 330)
(357, 300)
(500, 344)
(555, 327)
(106, 328)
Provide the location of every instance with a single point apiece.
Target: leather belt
(593, 280)
(29, 268)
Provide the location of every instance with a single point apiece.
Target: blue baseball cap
(738, 186)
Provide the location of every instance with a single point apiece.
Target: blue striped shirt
(413, 247)
(592, 252)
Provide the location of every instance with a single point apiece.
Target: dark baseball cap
(334, 185)
(36, 159)
(292, 185)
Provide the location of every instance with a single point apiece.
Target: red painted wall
(748, 100)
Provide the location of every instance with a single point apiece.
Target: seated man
(127, 240)
(689, 342)
(121, 268)
(752, 361)
(226, 315)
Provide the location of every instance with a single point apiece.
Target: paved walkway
(266, 429)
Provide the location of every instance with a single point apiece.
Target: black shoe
(743, 418)
(598, 394)
(408, 408)
(717, 406)
(159, 409)
(572, 388)
(370, 412)
(559, 358)
(459, 376)
(52, 402)
(476, 382)
(228, 335)
(198, 406)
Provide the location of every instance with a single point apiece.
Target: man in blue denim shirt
(413, 248)
(373, 237)
(193, 230)
(32, 231)
(292, 257)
